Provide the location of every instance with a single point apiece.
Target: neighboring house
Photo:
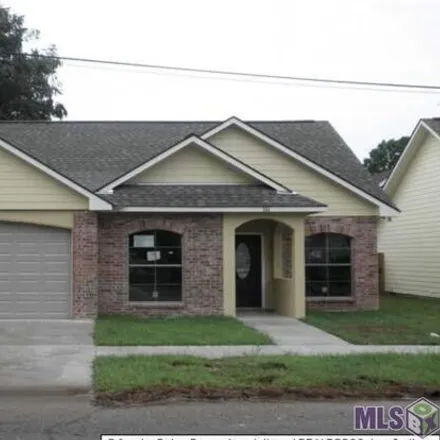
(184, 218)
(381, 178)
(411, 241)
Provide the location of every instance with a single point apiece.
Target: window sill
(157, 304)
(330, 299)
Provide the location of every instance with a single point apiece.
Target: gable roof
(93, 154)
(426, 126)
(433, 124)
(95, 202)
(381, 178)
(192, 141)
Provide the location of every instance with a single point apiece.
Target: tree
(28, 84)
(385, 155)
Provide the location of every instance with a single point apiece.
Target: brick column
(85, 265)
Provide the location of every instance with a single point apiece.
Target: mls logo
(422, 418)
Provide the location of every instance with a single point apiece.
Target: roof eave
(266, 209)
(96, 203)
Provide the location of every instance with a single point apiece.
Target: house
(193, 218)
(411, 242)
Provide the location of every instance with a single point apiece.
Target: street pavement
(75, 417)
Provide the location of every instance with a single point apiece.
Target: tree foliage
(385, 155)
(28, 84)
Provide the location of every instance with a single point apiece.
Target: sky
(381, 40)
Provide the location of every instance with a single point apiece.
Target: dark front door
(248, 270)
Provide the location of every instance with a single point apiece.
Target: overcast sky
(389, 41)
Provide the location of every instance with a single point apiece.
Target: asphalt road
(25, 418)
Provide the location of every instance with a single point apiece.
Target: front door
(248, 270)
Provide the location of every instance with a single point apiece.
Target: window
(328, 265)
(155, 266)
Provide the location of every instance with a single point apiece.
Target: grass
(352, 372)
(218, 330)
(400, 320)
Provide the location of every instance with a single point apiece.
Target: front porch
(263, 263)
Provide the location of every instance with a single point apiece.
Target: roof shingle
(95, 153)
(206, 196)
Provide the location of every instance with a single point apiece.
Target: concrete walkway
(289, 331)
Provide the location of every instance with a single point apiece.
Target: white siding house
(411, 241)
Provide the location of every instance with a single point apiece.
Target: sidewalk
(290, 335)
(220, 351)
(287, 331)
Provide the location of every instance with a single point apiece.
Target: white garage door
(34, 272)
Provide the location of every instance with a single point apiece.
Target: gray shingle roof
(94, 153)
(434, 124)
(380, 177)
(206, 196)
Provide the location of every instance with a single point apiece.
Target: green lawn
(377, 372)
(400, 320)
(218, 330)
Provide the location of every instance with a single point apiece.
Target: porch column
(298, 270)
(228, 266)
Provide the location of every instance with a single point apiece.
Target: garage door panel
(52, 302)
(58, 287)
(5, 284)
(35, 271)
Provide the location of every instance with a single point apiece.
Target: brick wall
(85, 265)
(364, 260)
(202, 262)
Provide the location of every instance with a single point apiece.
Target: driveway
(46, 357)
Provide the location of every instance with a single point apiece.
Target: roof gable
(423, 129)
(211, 149)
(386, 209)
(95, 202)
(192, 166)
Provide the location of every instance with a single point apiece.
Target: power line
(256, 80)
(248, 75)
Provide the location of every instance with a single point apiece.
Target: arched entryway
(264, 263)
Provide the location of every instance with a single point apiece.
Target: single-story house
(192, 218)
(411, 242)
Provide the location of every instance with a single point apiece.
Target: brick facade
(85, 265)
(202, 263)
(100, 262)
(364, 260)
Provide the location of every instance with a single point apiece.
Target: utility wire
(254, 80)
(249, 75)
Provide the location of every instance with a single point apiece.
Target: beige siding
(22, 186)
(192, 165)
(411, 241)
(291, 173)
(61, 219)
